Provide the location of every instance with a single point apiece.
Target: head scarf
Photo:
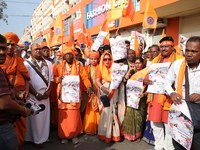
(105, 71)
(11, 38)
(67, 50)
(94, 55)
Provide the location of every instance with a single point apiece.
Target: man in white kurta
(38, 125)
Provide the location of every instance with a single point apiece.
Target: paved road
(90, 142)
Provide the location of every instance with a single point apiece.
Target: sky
(19, 15)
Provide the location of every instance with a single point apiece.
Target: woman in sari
(134, 119)
(108, 128)
(91, 117)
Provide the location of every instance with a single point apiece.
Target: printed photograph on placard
(70, 89)
(157, 73)
(117, 74)
(118, 48)
(180, 125)
(99, 40)
(133, 89)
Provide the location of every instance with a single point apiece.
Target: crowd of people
(39, 79)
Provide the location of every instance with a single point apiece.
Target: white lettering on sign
(111, 24)
(118, 2)
(99, 10)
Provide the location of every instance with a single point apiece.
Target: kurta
(156, 110)
(69, 119)
(91, 117)
(38, 125)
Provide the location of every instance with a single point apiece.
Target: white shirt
(172, 76)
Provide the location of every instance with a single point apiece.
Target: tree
(3, 6)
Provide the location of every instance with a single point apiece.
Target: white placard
(99, 40)
(118, 48)
(133, 89)
(118, 72)
(71, 89)
(157, 73)
(180, 125)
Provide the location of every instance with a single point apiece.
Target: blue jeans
(8, 137)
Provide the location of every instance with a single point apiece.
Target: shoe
(49, 141)
(41, 145)
(64, 141)
(75, 140)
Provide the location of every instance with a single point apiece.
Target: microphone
(35, 107)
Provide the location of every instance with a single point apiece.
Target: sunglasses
(12, 44)
(107, 59)
(37, 49)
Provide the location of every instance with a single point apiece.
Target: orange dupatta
(181, 75)
(15, 71)
(105, 71)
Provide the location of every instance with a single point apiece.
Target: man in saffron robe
(69, 118)
(19, 79)
(159, 103)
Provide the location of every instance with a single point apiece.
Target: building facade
(177, 17)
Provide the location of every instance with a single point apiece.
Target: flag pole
(119, 25)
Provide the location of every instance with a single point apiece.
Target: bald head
(36, 51)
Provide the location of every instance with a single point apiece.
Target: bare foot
(138, 140)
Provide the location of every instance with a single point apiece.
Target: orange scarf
(15, 71)
(92, 76)
(163, 100)
(181, 75)
(103, 69)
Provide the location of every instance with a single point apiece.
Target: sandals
(41, 145)
(75, 140)
(49, 141)
(64, 141)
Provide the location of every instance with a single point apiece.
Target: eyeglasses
(165, 46)
(192, 51)
(37, 49)
(107, 59)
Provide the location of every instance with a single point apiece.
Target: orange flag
(58, 27)
(82, 38)
(150, 16)
(105, 28)
(128, 10)
(89, 39)
(163, 33)
(71, 36)
(136, 45)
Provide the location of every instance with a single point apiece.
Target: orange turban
(67, 50)
(11, 37)
(94, 55)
